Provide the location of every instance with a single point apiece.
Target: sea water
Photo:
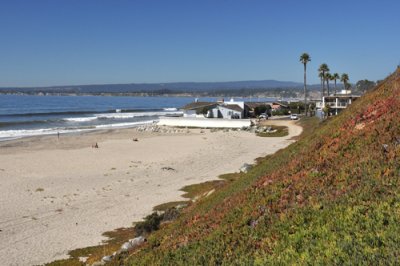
(22, 116)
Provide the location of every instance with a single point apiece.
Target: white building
(228, 110)
(337, 102)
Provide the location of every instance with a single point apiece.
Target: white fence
(204, 122)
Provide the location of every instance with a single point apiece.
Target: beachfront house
(228, 110)
(336, 102)
(275, 106)
(256, 108)
(197, 109)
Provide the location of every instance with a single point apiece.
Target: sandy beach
(62, 194)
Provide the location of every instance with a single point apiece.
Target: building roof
(233, 107)
(280, 104)
(342, 96)
(255, 104)
(198, 105)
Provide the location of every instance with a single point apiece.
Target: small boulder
(245, 168)
(137, 241)
(126, 246)
(107, 258)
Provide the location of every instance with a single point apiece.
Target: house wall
(240, 103)
(189, 113)
(203, 122)
(228, 113)
(216, 113)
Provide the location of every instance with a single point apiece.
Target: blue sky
(58, 42)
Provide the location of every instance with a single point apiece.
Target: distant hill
(174, 87)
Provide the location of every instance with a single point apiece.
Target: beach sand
(62, 194)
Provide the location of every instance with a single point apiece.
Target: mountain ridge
(148, 87)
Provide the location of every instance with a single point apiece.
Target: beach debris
(167, 168)
(135, 139)
(209, 192)
(96, 146)
(245, 168)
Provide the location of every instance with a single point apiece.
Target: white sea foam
(170, 109)
(15, 134)
(80, 119)
(12, 134)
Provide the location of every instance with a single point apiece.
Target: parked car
(263, 116)
(294, 117)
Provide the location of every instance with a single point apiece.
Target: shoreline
(111, 193)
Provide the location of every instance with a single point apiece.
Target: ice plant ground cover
(330, 198)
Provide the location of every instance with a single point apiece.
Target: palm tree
(328, 77)
(304, 59)
(323, 68)
(321, 76)
(344, 78)
(335, 77)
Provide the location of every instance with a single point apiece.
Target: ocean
(22, 116)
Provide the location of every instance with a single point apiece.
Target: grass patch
(169, 205)
(198, 190)
(281, 131)
(39, 189)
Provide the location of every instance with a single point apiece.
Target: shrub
(151, 223)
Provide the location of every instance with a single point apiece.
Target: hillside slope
(333, 197)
